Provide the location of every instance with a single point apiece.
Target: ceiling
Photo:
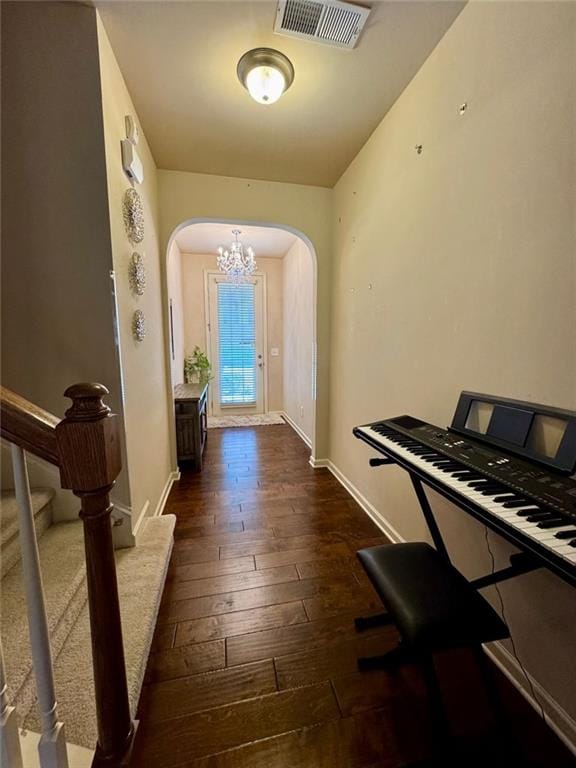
(205, 238)
(179, 62)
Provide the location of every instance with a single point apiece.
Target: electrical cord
(505, 620)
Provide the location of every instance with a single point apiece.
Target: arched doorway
(290, 354)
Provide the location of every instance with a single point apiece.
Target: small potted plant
(197, 368)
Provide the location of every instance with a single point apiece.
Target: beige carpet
(9, 544)
(40, 498)
(257, 420)
(141, 574)
(64, 597)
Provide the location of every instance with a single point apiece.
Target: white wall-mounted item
(131, 162)
(130, 159)
(132, 132)
(274, 352)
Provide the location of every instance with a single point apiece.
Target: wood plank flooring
(254, 659)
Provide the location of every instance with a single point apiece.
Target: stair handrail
(28, 426)
(85, 445)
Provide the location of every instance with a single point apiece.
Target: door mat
(256, 420)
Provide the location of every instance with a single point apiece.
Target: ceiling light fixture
(265, 73)
(236, 262)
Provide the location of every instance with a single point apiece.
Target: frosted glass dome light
(266, 74)
(265, 84)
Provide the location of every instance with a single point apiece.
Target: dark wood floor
(254, 659)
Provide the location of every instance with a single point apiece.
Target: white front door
(237, 348)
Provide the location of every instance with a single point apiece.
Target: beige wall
(175, 296)
(298, 276)
(194, 266)
(55, 240)
(191, 196)
(147, 402)
(57, 307)
(455, 269)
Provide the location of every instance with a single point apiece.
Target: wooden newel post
(89, 448)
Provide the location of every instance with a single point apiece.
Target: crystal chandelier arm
(236, 262)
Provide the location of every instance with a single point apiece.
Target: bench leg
(440, 728)
(390, 661)
(440, 724)
(363, 623)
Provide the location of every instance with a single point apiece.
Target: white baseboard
(78, 757)
(172, 478)
(122, 533)
(302, 435)
(141, 517)
(318, 463)
(382, 523)
(556, 717)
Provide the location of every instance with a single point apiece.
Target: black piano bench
(434, 608)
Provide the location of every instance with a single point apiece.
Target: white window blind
(237, 342)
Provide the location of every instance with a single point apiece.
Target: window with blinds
(237, 342)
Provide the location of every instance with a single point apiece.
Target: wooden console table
(190, 402)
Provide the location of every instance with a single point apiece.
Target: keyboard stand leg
(429, 517)
(520, 563)
(451, 752)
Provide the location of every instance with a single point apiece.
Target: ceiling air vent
(330, 22)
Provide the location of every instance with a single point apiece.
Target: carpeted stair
(61, 551)
(9, 544)
(141, 574)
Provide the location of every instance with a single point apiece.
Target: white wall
(147, 391)
(455, 269)
(298, 277)
(175, 299)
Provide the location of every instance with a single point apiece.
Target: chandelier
(236, 262)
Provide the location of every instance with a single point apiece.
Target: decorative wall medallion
(137, 274)
(138, 325)
(133, 214)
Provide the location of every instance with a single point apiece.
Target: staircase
(141, 572)
(87, 664)
(61, 550)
